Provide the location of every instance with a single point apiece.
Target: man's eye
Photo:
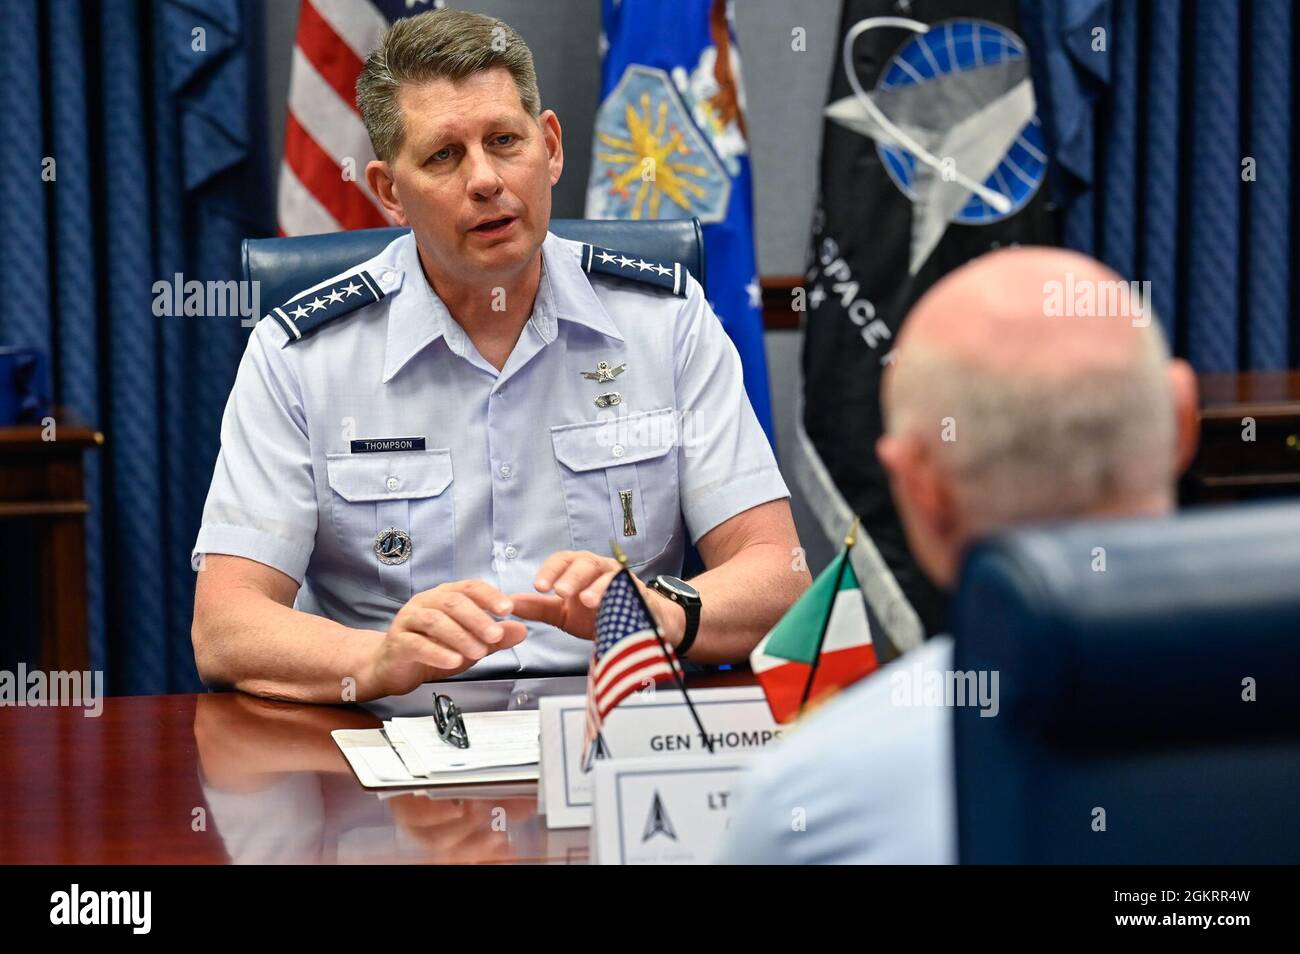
(505, 139)
(441, 155)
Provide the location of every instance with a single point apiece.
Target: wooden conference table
(215, 778)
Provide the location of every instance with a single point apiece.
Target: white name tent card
(656, 723)
(671, 810)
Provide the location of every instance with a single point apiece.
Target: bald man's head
(1029, 385)
(1003, 310)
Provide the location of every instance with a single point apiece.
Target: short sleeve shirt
(387, 418)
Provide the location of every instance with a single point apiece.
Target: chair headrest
(285, 266)
(1144, 627)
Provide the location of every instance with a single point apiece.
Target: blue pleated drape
(1174, 148)
(153, 113)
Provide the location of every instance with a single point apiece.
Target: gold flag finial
(851, 537)
(619, 555)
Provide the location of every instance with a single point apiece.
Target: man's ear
(553, 137)
(1187, 418)
(889, 450)
(380, 180)
(915, 477)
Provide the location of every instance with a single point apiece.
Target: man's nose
(482, 179)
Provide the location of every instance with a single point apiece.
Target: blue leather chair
(285, 266)
(1122, 689)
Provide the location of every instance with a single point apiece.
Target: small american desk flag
(627, 653)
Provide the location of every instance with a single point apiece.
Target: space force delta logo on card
(655, 725)
(672, 810)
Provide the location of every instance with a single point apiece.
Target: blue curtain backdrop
(1149, 137)
(160, 168)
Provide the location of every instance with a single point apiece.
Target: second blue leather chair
(1149, 677)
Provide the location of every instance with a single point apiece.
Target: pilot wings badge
(604, 372)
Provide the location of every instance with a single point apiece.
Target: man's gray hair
(1036, 445)
(440, 44)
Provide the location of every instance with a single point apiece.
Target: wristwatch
(688, 598)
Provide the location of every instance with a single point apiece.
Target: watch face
(680, 587)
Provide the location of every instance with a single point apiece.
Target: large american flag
(626, 655)
(323, 174)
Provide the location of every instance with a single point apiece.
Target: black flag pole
(849, 540)
(663, 647)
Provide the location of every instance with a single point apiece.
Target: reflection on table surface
(222, 777)
(279, 790)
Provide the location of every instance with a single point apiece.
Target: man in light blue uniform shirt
(424, 459)
(1055, 418)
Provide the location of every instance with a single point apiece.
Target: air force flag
(671, 143)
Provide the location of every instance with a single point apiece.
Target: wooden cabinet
(1230, 465)
(42, 500)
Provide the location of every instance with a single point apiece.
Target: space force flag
(670, 143)
(932, 154)
(822, 644)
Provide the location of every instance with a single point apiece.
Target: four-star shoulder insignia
(306, 313)
(670, 276)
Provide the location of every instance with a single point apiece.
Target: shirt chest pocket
(620, 482)
(394, 519)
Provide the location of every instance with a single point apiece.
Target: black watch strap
(692, 609)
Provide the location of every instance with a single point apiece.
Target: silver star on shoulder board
(604, 372)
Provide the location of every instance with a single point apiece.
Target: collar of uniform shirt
(417, 317)
(569, 290)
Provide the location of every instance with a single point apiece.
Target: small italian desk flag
(821, 645)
